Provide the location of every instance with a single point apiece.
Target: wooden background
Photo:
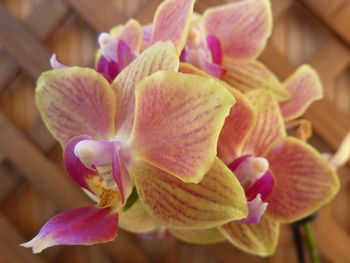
(33, 185)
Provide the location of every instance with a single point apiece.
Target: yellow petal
(200, 236)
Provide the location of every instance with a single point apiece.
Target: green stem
(311, 243)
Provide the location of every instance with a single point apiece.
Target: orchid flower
(280, 174)
(118, 49)
(153, 127)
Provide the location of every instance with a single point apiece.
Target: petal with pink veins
(178, 119)
(242, 27)
(304, 180)
(256, 238)
(217, 199)
(160, 56)
(252, 74)
(76, 101)
(304, 87)
(82, 226)
(172, 22)
(237, 128)
(131, 33)
(269, 124)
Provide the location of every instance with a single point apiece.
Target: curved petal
(74, 167)
(217, 199)
(136, 219)
(242, 27)
(161, 56)
(304, 87)
(177, 123)
(252, 74)
(199, 236)
(304, 180)
(269, 123)
(131, 33)
(237, 128)
(172, 22)
(76, 101)
(82, 226)
(259, 239)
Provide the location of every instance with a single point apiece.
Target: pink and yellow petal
(177, 123)
(137, 220)
(237, 128)
(242, 27)
(256, 238)
(76, 101)
(304, 180)
(198, 236)
(172, 22)
(217, 199)
(304, 87)
(269, 123)
(131, 34)
(82, 226)
(252, 74)
(160, 56)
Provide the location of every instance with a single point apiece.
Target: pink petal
(237, 128)
(178, 119)
(83, 226)
(304, 87)
(263, 186)
(242, 27)
(131, 34)
(125, 54)
(256, 210)
(55, 64)
(76, 101)
(172, 22)
(252, 74)
(269, 124)
(75, 168)
(108, 68)
(304, 180)
(147, 36)
(161, 56)
(215, 49)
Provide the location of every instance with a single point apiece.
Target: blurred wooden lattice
(33, 185)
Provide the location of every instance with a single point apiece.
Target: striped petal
(177, 123)
(131, 33)
(304, 87)
(217, 199)
(83, 226)
(161, 56)
(252, 74)
(269, 123)
(304, 180)
(172, 22)
(242, 27)
(76, 101)
(237, 128)
(259, 239)
(198, 236)
(136, 219)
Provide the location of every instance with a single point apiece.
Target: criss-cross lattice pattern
(33, 184)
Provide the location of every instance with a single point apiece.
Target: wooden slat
(100, 15)
(9, 242)
(23, 46)
(280, 7)
(335, 14)
(42, 22)
(8, 181)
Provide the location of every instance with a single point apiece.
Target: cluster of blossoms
(179, 128)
